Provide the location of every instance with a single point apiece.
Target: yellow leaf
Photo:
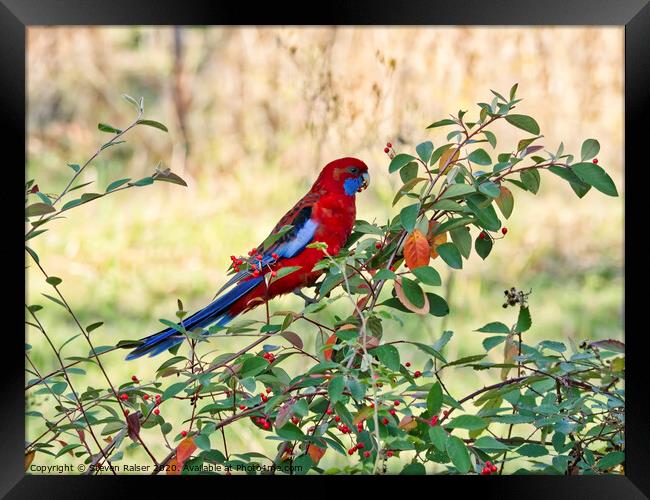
(446, 156)
(416, 250)
(510, 350)
(435, 240)
(362, 414)
(29, 458)
(407, 423)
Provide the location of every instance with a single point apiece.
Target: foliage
(556, 410)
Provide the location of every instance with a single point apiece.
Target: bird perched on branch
(325, 214)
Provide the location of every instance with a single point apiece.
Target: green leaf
(253, 366)
(434, 399)
(490, 189)
(54, 281)
(388, 355)
(469, 422)
(412, 469)
(531, 180)
(290, 432)
(153, 123)
(463, 240)
(399, 161)
(483, 246)
(488, 443)
(450, 254)
(458, 454)
(523, 122)
(491, 138)
(523, 320)
(595, 176)
(457, 190)
(335, 388)
(532, 450)
(494, 327)
(272, 238)
(174, 389)
(94, 326)
(108, 128)
(170, 177)
(70, 204)
(115, 184)
(59, 388)
(480, 157)
(579, 187)
(39, 209)
(74, 166)
(424, 151)
(611, 459)
(491, 342)
(408, 216)
(413, 292)
(427, 275)
(437, 305)
(589, 149)
(144, 181)
(442, 123)
(487, 216)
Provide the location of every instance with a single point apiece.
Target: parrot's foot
(308, 300)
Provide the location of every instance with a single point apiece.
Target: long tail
(216, 312)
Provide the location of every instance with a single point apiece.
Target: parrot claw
(308, 300)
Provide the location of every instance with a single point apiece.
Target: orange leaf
(416, 250)
(510, 350)
(183, 451)
(328, 352)
(407, 303)
(446, 156)
(172, 468)
(315, 453)
(435, 240)
(29, 458)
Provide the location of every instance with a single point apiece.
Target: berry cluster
(389, 150)
(488, 469)
(269, 356)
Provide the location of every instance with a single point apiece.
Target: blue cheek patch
(351, 185)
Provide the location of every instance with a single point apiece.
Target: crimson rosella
(325, 214)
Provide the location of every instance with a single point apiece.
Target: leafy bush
(552, 412)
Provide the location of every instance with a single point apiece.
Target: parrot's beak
(365, 180)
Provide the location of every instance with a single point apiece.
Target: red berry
(389, 453)
(242, 407)
(295, 420)
(351, 451)
(158, 396)
(275, 256)
(445, 413)
(595, 160)
(274, 273)
(372, 405)
(183, 433)
(329, 411)
(482, 235)
(124, 396)
(366, 454)
(493, 468)
(378, 245)
(361, 446)
(396, 403)
(266, 425)
(434, 420)
(134, 378)
(386, 150)
(485, 471)
(256, 273)
(264, 398)
(156, 411)
(145, 397)
(417, 373)
(388, 144)
(337, 418)
(360, 427)
(34, 189)
(258, 256)
(407, 364)
(504, 230)
(392, 411)
(268, 390)
(233, 258)
(385, 421)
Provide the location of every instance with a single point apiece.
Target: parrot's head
(345, 175)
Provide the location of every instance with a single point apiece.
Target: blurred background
(253, 114)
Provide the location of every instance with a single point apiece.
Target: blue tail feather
(215, 312)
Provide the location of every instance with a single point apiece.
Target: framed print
(379, 241)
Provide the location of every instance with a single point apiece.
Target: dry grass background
(253, 114)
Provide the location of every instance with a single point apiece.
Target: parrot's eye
(353, 170)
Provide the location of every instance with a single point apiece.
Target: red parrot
(325, 214)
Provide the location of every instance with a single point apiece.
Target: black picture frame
(17, 15)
